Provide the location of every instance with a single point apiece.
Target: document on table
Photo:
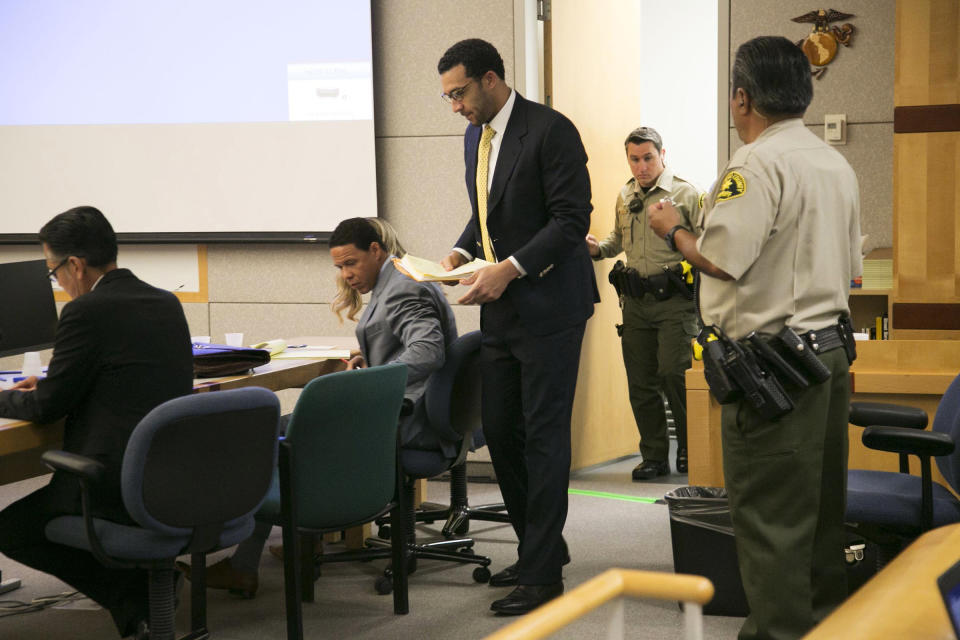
(312, 352)
(424, 270)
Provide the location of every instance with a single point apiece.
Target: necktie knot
(488, 133)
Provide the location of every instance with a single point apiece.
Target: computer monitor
(28, 313)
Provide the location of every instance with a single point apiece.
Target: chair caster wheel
(383, 585)
(384, 532)
(481, 575)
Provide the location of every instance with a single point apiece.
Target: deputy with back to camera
(780, 243)
(659, 321)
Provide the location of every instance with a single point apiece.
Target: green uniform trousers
(787, 483)
(657, 350)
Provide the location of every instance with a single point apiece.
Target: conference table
(22, 442)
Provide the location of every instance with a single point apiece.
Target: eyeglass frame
(457, 94)
(52, 273)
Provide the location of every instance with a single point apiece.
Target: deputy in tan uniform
(780, 243)
(657, 327)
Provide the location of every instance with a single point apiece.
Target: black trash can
(702, 535)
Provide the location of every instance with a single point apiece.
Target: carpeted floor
(445, 602)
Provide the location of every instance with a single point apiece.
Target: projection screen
(212, 120)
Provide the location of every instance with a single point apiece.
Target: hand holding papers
(425, 270)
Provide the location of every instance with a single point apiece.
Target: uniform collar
(780, 125)
(664, 182)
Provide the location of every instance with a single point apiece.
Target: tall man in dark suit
(529, 189)
(122, 347)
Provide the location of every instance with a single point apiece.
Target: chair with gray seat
(892, 508)
(194, 472)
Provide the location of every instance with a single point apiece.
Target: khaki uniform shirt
(631, 233)
(784, 221)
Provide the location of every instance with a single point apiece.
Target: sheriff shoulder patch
(732, 186)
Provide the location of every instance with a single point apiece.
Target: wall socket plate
(835, 128)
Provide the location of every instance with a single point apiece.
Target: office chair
(195, 470)
(452, 403)
(338, 469)
(891, 508)
(458, 514)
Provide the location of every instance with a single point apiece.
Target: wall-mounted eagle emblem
(820, 46)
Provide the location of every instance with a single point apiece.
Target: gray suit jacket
(410, 322)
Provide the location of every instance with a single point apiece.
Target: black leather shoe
(682, 460)
(506, 578)
(650, 469)
(525, 598)
(510, 576)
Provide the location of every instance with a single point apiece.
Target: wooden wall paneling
(927, 223)
(585, 40)
(927, 68)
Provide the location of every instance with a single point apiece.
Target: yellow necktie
(483, 159)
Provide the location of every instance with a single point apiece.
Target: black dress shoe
(509, 577)
(525, 598)
(682, 460)
(650, 469)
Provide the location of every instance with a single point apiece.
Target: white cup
(31, 364)
(234, 339)
(200, 339)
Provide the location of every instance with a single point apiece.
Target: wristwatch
(668, 238)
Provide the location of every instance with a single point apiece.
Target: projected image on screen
(221, 116)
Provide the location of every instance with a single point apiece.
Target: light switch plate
(835, 128)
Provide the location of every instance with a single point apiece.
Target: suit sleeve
(68, 376)
(415, 320)
(565, 184)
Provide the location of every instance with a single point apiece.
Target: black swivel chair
(452, 402)
(458, 514)
(195, 470)
(891, 508)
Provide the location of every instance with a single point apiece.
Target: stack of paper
(424, 270)
(312, 352)
(878, 273)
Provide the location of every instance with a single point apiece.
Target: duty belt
(823, 340)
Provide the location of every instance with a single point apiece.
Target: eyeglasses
(457, 94)
(52, 273)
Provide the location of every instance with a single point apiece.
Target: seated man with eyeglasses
(122, 347)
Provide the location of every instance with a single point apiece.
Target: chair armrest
(864, 414)
(86, 468)
(904, 440)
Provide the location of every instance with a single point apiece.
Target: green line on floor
(612, 496)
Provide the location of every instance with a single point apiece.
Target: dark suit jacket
(538, 211)
(120, 350)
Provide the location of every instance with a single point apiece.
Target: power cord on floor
(16, 607)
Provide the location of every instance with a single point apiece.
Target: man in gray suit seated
(404, 321)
